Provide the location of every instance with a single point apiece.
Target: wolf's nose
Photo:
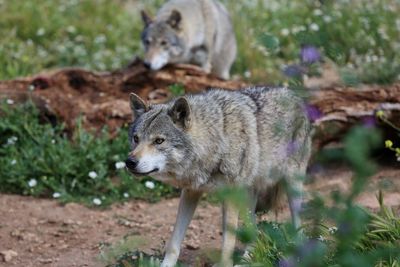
(147, 64)
(131, 163)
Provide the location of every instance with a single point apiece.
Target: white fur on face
(159, 60)
(149, 162)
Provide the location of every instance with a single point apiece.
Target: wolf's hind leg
(294, 191)
(187, 205)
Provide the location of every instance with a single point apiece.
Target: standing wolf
(257, 138)
(197, 32)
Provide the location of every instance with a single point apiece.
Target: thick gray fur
(258, 138)
(198, 32)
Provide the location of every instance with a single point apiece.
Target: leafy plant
(339, 234)
(38, 159)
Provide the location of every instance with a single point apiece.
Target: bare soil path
(44, 232)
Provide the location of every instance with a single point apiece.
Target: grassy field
(360, 38)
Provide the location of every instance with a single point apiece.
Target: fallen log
(337, 109)
(101, 98)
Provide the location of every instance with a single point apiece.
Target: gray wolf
(196, 32)
(255, 138)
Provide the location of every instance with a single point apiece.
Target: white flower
(71, 29)
(53, 141)
(31, 87)
(13, 162)
(126, 195)
(321, 238)
(332, 230)
(149, 184)
(32, 183)
(247, 74)
(100, 39)
(10, 101)
(327, 18)
(119, 165)
(56, 195)
(97, 201)
(314, 27)
(12, 140)
(317, 12)
(93, 174)
(285, 32)
(40, 32)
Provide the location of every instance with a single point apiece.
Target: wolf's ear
(146, 18)
(175, 19)
(180, 113)
(138, 106)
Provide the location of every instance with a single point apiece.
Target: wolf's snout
(147, 64)
(131, 163)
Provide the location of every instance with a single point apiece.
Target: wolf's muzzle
(147, 65)
(131, 163)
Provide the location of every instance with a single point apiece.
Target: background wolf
(255, 138)
(190, 31)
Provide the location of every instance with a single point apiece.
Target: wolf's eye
(159, 141)
(163, 42)
(136, 138)
(147, 42)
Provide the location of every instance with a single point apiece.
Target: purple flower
(315, 168)
(345, 228)
(309, 54)
(313, 112)
(369, 121)
(286, 262)
(293, 71)
(307, 248)
(292, 148)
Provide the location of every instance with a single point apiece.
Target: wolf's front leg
(230, 218)
(187, 206)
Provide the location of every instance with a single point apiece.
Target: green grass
(359, 37)
(38, 159)
(43, 34)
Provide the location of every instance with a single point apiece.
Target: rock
(46, 261)
(192, 246)
(68, 222)
(7, 255)
(22, 235)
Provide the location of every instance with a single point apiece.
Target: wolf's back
(252, 137)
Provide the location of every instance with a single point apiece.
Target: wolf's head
(158, 137)
(161, 40)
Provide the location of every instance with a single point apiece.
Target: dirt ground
(44, 232)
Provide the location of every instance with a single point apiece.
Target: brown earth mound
(102, 98)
